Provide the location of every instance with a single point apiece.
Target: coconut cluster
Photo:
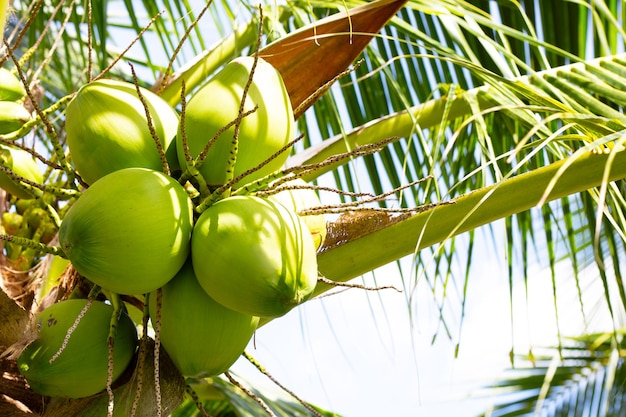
(142, 226)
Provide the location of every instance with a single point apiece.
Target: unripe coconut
(129, 232)
(80, 370)
(254, 256)
(12, 116)
(11, 88)
(261, 133)
(201, 336)
(21, 163)
(12, 223)
(107, 129)
(303, 198)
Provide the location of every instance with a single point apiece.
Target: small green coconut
(12, 116)
(130, 231)
(201, 336)
(11, 88)
(80, 370)
(21, 163)
(254, 256)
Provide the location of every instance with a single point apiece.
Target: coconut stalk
(196, 71)
(391, 238)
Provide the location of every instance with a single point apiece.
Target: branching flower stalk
(166, 74)
(141, 357)
(32, 14)
(153, 134)
(251, 394)
(353, 285)
(190, 171)
(261, 369)
(72, 328)
(157, 347)
(10, 138)
(220, 192)
(321, 90)
(57, 39)
(29, 243)
(52, 135)
(118, 309)
(234, 150)
(285, 187)
(121, 55)
(39, 189)
(31, 151)
(196, 400)
(281, 177)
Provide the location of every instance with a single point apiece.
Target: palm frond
(583, 378)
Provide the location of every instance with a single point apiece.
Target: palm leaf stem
(437, 224)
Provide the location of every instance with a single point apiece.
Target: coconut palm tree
(432, 122)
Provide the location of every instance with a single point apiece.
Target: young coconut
(261, 133)
(303, 198)
(81, 367)
(12, 116)
(202, 337)
(254, 256)
(130, 231)
(11, 88)
(21, 163)
(107, 129)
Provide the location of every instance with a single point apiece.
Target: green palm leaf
(585, 378)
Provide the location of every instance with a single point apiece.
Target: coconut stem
(37, 189)
(52, 135)
(118, 308)
(194, 397)
(71, 330)
(222, 191)
(289, 174)
(352, 285)
(130, 45)
(234, 150)
(29, 243)
(261, 369)
(190, 170)
(166, 74)
(141, 357)
(9, 138)
(157, 347)
(251, 394)
(155, 137)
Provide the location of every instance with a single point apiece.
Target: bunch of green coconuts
(211, 266)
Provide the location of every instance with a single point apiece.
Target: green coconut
(12, 116)
(254, 256)
(261, 134)
(80, 370)
(303, 198)
(107, 129)
(201, 336)
(130, 231)
(11, 88)
(21, 163)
